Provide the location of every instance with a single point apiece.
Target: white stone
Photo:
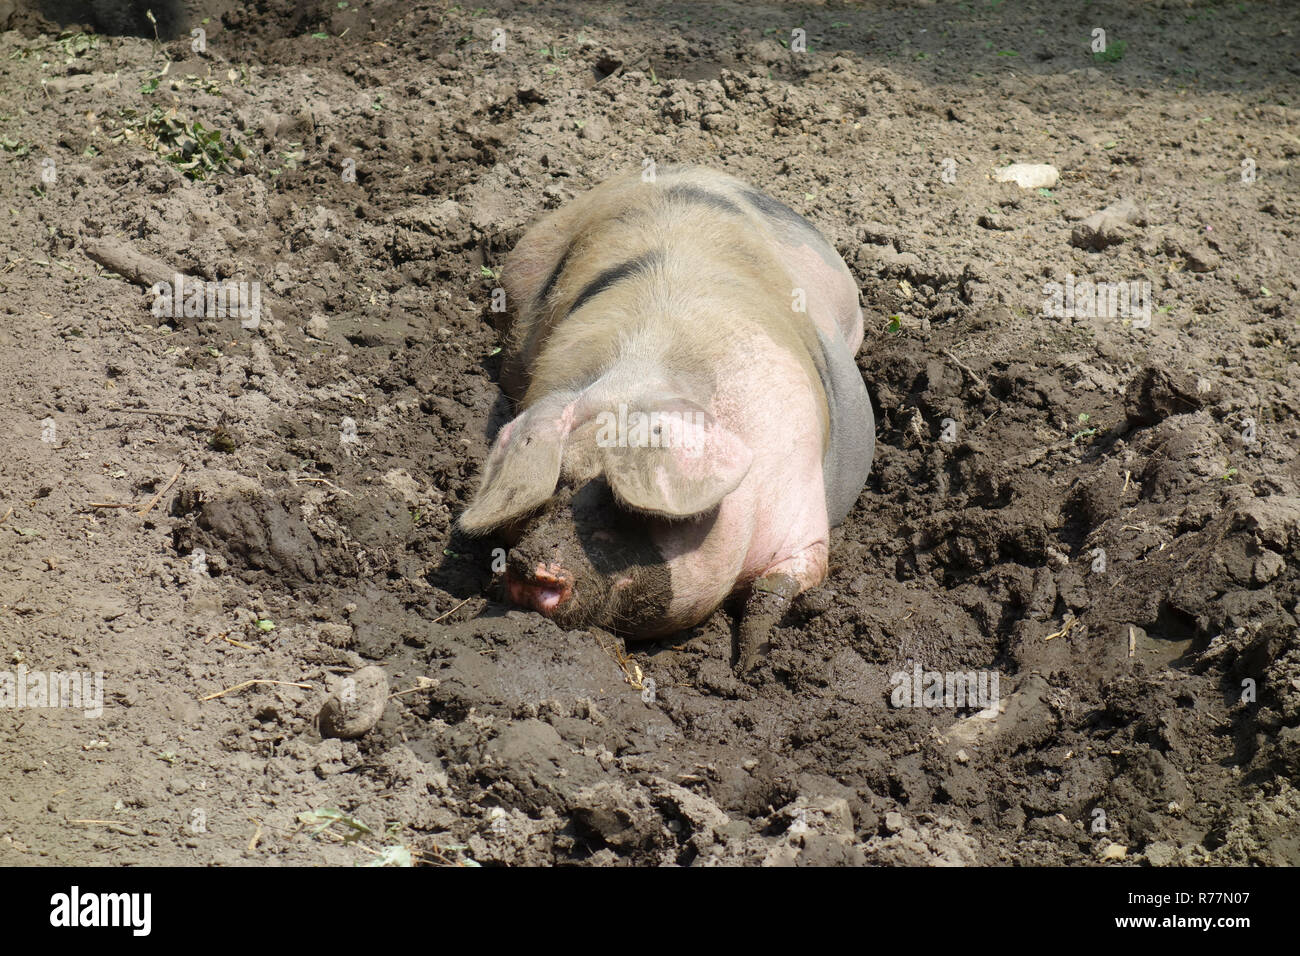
(1028, 175)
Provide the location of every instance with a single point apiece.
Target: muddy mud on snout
(582, 560)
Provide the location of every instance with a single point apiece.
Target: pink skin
(832, 295)
(775, 521)
(549, 587)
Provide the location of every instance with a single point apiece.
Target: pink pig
(692, 422)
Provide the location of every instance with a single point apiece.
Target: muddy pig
(691, 420)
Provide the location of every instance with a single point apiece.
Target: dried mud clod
(356, 704)
(236, 515)
(1156, 393)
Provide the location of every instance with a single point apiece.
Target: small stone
(1109, 226)
(317, 327)
(594, 129)
(995, 222)
(1196, 255)
(112, 610)
(1161, 854)
(1268, 566)
(1155, 393)
(1028, 175)
(356, 704)
(336, 635)
(1201, 258)
(329, 758)
(585, 709)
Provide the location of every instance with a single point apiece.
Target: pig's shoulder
(802, 251)
(726, 193)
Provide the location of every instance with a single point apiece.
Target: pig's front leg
(769, 599)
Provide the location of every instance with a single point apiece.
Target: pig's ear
(521, 471)
(689, 465)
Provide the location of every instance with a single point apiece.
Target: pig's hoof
(766, 605)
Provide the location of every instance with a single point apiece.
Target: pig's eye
(596, 499)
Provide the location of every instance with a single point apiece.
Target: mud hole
(1113, 528)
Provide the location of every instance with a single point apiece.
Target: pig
(691, 421)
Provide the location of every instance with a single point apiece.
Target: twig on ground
(122, 259)
(251, 683)
(134, 266)
(257, 836)
(162, 491)
(975, 377)
(160, 414)
(1070, 623)
(452, 611)
(115, 825)
(322, 481)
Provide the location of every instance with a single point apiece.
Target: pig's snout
(581, 562)
(543, 587)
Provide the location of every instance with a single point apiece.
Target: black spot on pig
(554, 277)
(615, 274)
(775, 209)
(787, 219)
(694, 194)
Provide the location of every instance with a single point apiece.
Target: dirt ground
(1110, 522)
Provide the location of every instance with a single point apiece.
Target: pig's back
(700, 262)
